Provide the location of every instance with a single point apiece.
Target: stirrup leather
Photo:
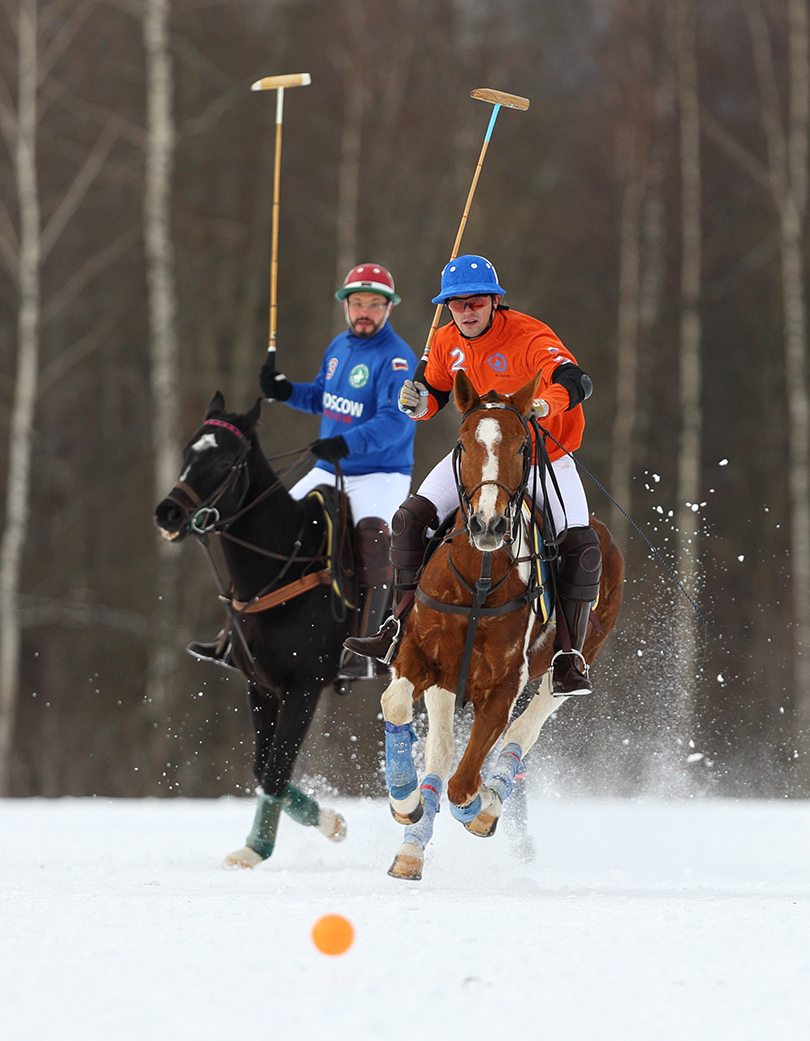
(389, 654)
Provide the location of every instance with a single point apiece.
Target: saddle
(339, 548)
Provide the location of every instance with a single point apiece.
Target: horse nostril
(498, 526)
(477, 526)
(168, 515)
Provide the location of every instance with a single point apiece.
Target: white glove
(540, 408)
(413, 399)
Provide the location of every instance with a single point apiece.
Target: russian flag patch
(399, 364)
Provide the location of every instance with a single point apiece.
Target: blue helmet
(466, 276)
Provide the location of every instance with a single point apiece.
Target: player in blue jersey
(363, 429)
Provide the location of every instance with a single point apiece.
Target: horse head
(492, 460)
(214, 477)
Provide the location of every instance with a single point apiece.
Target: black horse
(289, 617)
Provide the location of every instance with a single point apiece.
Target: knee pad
(372, 544)
(408, 531)
(580, 565)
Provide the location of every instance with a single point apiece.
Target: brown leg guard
(408, 542)
(372, 544)
(579, 571)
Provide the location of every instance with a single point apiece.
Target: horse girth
(282, 595)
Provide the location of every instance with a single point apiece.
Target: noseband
(202, 515)
(516, 495)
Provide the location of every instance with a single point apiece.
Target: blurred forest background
(650, 206)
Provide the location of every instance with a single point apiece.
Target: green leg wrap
(262, 838)
(300, 807)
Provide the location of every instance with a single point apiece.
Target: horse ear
(465, 393)
(522, 399)
(252, 417)
(217, 404)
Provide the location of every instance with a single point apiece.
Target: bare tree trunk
(25, 388)
(163, 655)
(687, 519)
(793, 213)
(786, 177)
(349, 175)
(632, 147)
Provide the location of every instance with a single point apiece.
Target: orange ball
(333, 934)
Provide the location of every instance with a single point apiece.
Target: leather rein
(203, 519)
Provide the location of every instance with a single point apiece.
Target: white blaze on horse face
(204, 443)
(488, 434)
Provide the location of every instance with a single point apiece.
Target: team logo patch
(497, 362)
(399, 364)
(358, 377)
(330, 368)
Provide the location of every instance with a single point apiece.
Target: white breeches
(370, 495)
(440, 487)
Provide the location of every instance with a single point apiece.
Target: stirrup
(585, 675)
(355, 643)
(389, 654)
(211, 652)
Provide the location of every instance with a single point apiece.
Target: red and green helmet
(369, 278)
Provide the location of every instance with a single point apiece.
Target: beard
(368, 329)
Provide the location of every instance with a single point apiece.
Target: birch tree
(23, 256)
(163, 350)
(689, 385)
(23, 249)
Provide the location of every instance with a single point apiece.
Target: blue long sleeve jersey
(356, 393)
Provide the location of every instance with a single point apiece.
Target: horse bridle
(202, 515)
(516, 496)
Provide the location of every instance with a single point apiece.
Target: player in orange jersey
(501, 350)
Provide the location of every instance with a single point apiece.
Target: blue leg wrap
(502, 778)
(400, 773)
(421, 833)
(467, 813)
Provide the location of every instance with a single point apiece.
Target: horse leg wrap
(400, 773)
(262, 838)
(300, 807)
(502, 779)
(421, 833)
(467, 813)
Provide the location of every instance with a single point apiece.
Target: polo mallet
(499, 100)
(277, 83)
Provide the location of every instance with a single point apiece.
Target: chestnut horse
(490, 549)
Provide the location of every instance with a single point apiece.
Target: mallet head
(497, 97)
(293, 79)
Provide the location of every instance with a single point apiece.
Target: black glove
(274, 384)
(330, 449)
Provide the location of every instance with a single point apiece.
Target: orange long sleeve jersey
(509, 354)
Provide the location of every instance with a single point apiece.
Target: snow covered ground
(651, 920)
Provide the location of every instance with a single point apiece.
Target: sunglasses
(459, 304)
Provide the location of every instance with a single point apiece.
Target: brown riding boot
(579, 571)
(408, 542)
(372, 544)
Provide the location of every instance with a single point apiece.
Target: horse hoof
(486, 822)
(408, 863)
(243, 858)
(332, 825)
(413, 817)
